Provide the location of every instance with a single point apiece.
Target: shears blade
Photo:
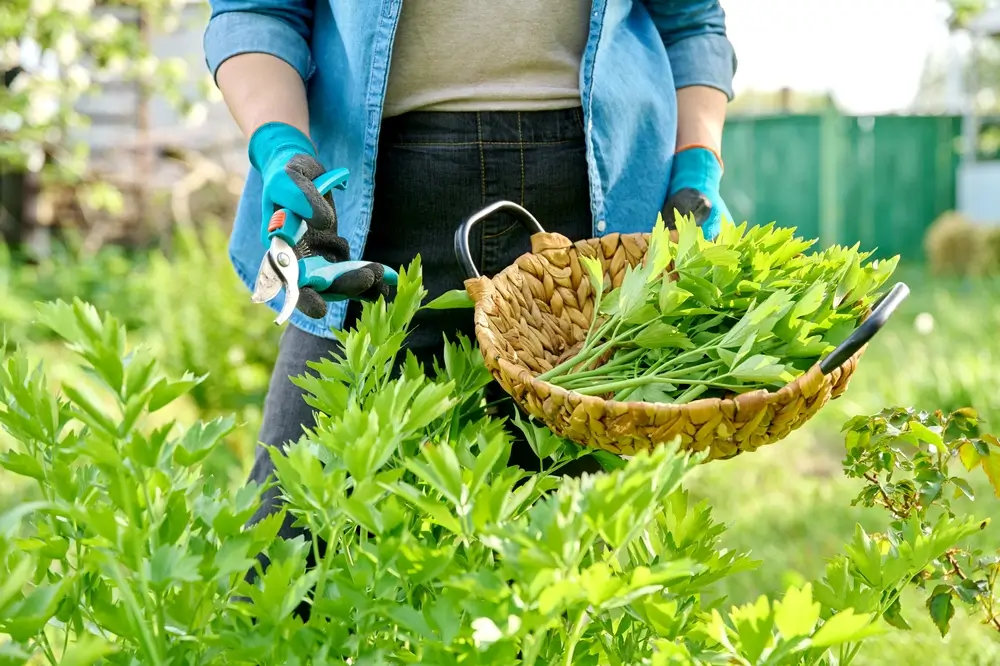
(278, 270)
(268, 281)
(287, 265)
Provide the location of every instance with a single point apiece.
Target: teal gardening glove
(694, 189)
(286, 160)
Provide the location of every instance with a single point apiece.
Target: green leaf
(760, 368)
(991, 465)
(894, 616)
(659, 335)
(632, 292)
(753, 625)
(609, 461)
(172, 564)
(23, 465)
(430, 403)
(27, 617)
(671, 297)
(595, 271)
(599, 583)
(542, 441)
(233, 556)
(743, 351)
(845, 627)
(653, 392)
(411, 620)
(86, 650)
(721, 256)
(456, 299)
(433, 510)
(970, 591)
(10, 521)
(963, 488)
(443, 472)
(14, 581)
(969, 456)
(559, 596)
(645, 313)
(867, 557)
(658, 255)
(199, 441)
(705, 291)
(166, 391)
(809, 302)
(496, 448)
(941, 608)
(925, 434)
(796, 614)
(89, 411)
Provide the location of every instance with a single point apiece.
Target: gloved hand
(694, 188)
(287, 163)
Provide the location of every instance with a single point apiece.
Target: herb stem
(621, 361)
(612, 387)
(584, 356)
(43, 643)
(324, 562)
(692, 353)
(578, 628)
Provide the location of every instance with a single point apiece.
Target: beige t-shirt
(479, 55)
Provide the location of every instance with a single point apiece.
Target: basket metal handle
(867, 330)
(462, 250)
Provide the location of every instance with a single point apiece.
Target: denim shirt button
(601, 226)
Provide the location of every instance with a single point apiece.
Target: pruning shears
(290, 265)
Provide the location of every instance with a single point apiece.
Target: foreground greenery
(788, 505)
(429, 547)
(189, 308)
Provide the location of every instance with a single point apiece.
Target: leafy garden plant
(426, 546)
(906, 459)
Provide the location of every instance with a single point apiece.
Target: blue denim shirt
(637, 54)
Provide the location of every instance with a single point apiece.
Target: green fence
(878, 180)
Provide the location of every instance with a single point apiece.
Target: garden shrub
(957, 247)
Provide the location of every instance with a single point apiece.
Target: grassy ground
(790, 504)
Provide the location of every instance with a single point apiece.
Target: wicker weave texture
(536, 313)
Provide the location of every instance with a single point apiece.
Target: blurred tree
(962, 11)
(56, 52)
(961, 67)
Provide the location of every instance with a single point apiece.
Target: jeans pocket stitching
(501, 233)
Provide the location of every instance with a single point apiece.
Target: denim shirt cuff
(704, 60)
(234, 33)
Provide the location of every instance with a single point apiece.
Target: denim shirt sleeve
(281, 28)
(694, 34)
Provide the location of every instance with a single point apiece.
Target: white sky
(869, 53)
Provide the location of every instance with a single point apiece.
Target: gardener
(594, 116)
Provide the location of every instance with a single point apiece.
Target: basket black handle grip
(462, 251)
(867, 330)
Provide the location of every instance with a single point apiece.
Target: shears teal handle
(317, 272)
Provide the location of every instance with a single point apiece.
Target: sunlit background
(868, 121)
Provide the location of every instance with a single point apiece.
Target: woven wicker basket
(535, 313)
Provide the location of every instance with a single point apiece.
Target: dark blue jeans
(434, 170)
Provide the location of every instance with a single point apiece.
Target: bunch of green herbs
(699, 318)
